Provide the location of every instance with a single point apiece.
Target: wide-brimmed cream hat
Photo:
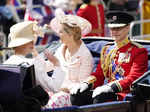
(22, 33)
(73, 21)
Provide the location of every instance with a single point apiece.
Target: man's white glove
(101, 89)
(79, 87)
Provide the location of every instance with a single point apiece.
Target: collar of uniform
(122, 43)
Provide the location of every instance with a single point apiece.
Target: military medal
(120, 70)
(127, 57)
(121, 57)
(124, 57)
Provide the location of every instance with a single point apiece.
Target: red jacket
(134, 64)
(89, 12)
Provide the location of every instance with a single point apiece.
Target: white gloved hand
(82, 87)
(101, 89)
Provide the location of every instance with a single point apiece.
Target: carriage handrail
(138, 22)
(141, 12)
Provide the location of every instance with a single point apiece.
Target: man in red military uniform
(121, 63)
(94, 13)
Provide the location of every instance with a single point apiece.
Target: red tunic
(134, 64)
(89, 12)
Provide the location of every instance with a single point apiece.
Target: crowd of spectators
(44, 10)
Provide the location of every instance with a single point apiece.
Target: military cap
(118, 19)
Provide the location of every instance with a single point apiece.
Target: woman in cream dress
(73, 56)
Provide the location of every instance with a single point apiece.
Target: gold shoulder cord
(106, 59)
(113, 54)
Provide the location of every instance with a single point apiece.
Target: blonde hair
(73, 30)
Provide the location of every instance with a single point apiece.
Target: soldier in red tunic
(121, 63)
(94, 13)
